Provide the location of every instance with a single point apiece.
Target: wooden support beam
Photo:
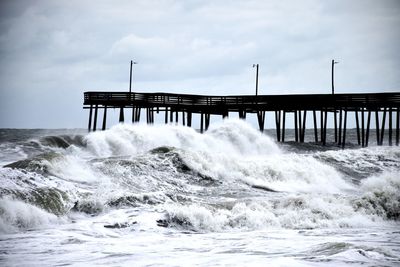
(383, 126)
(300, 126)
(207, 120)
(202, 122)
(261, 119)
(189, 119)
(377, 128)
(315, 126)
(322, 125)
(90, 118)
(368, 125)
(390, 127)
(242, 114)
(278, 125)
(283, 126)
(95, 118)
(325, 120)
(166, 115)
(296, 130)
(344, 128)
(335, 125)
(357, 127)
(397, 126)
(104, 118)
(138, 114)
(304, 125)
(183, 118)
(176, 116)
(151, 115)
(171, 115)
(362, 128)
(121, 114)
(340, 127)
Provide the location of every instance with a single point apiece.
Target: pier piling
(121, 114)
(95, 118)
(383, 126)
(104, 118)
(90, 118)
(315, 126)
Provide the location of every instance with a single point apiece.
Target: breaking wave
(231, 177)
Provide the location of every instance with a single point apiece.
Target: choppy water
(166, 195)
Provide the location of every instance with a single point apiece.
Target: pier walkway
(385, 106)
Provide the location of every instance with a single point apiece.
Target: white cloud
(53, 48)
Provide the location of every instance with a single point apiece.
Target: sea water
(138, 195)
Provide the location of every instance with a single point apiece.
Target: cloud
(50, 49)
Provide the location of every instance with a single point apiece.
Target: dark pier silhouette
(363, 106)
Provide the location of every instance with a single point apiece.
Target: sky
(53, 51)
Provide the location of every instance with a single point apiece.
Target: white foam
(381, 195)
(229, 136)
(305, 211)
(314, 193)
(387, 182)
(15, 214)
(383, 158)
(231, 150)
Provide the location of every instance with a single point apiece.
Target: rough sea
(166, 195)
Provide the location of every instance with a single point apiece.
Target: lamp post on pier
(256, 66)
(333, 81)
(130, 78)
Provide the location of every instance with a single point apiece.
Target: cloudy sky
(53, 51)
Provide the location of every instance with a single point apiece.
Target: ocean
(166, 195)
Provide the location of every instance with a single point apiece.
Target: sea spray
(17, 215)
(137, 190)
(381, 196)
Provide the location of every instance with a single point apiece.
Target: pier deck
(382, 104)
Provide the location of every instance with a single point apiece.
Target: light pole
(256, 66)
(333, 67)
(130, 78)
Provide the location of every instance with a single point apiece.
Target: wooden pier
(381, 106)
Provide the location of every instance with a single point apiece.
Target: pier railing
(251, 102)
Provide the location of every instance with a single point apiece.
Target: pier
(379, 106)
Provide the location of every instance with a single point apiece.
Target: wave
(18, 215)
(231, 177)
(360, 163)
(379, 201)
(230, 136)
(38, 164)
(294, 211)
(63, 141)
(348, 251)
(381, 196)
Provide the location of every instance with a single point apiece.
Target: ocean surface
(165, 195)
